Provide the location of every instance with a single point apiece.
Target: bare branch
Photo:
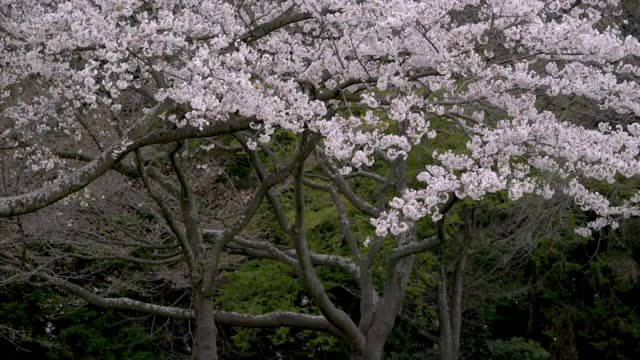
(131, 259)
(51, 193)
(167, 214)
(122, 303)
(345, 189)
(310, 279)
(272, 319)
(268, 250)
(268, 183)
(414, 248)
(345, 226)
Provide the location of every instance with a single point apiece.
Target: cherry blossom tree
(364, 86)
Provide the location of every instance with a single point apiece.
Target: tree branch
(269, 182)
(167, 214)
(272, 319)
(345, 226)
(414, 248)
(122, 303)
(130, 259)
(77, 180)
(287, 17)
(345, 189)
(310, 279)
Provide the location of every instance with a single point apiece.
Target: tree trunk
(450, 315)
(444, 317)
(373, 350)
(387, 310)
(446, 348)
(450, 309)
(456, 305)
(204, 341)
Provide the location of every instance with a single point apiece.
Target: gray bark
(444, 317)
(450, 306)
(450, 313)
(390, 305)
(206, 333)
(310, 279)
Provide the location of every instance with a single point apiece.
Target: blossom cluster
(503, 73)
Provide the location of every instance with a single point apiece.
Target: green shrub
(516, 348)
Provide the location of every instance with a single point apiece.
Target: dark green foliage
(516, 348)
(261, 286)
(581, 301)
(83, 332)
(258, 287)
(89, 333)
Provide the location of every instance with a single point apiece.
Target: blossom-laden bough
(543, 92)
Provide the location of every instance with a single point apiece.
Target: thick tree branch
(335, 92)
(59, 189)
(122, 303)
(272, 319)
(127, 170)
(205, 265)
(268, 250)
(287, 17)
(121, 167)
(310, 279)
(414, 248)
